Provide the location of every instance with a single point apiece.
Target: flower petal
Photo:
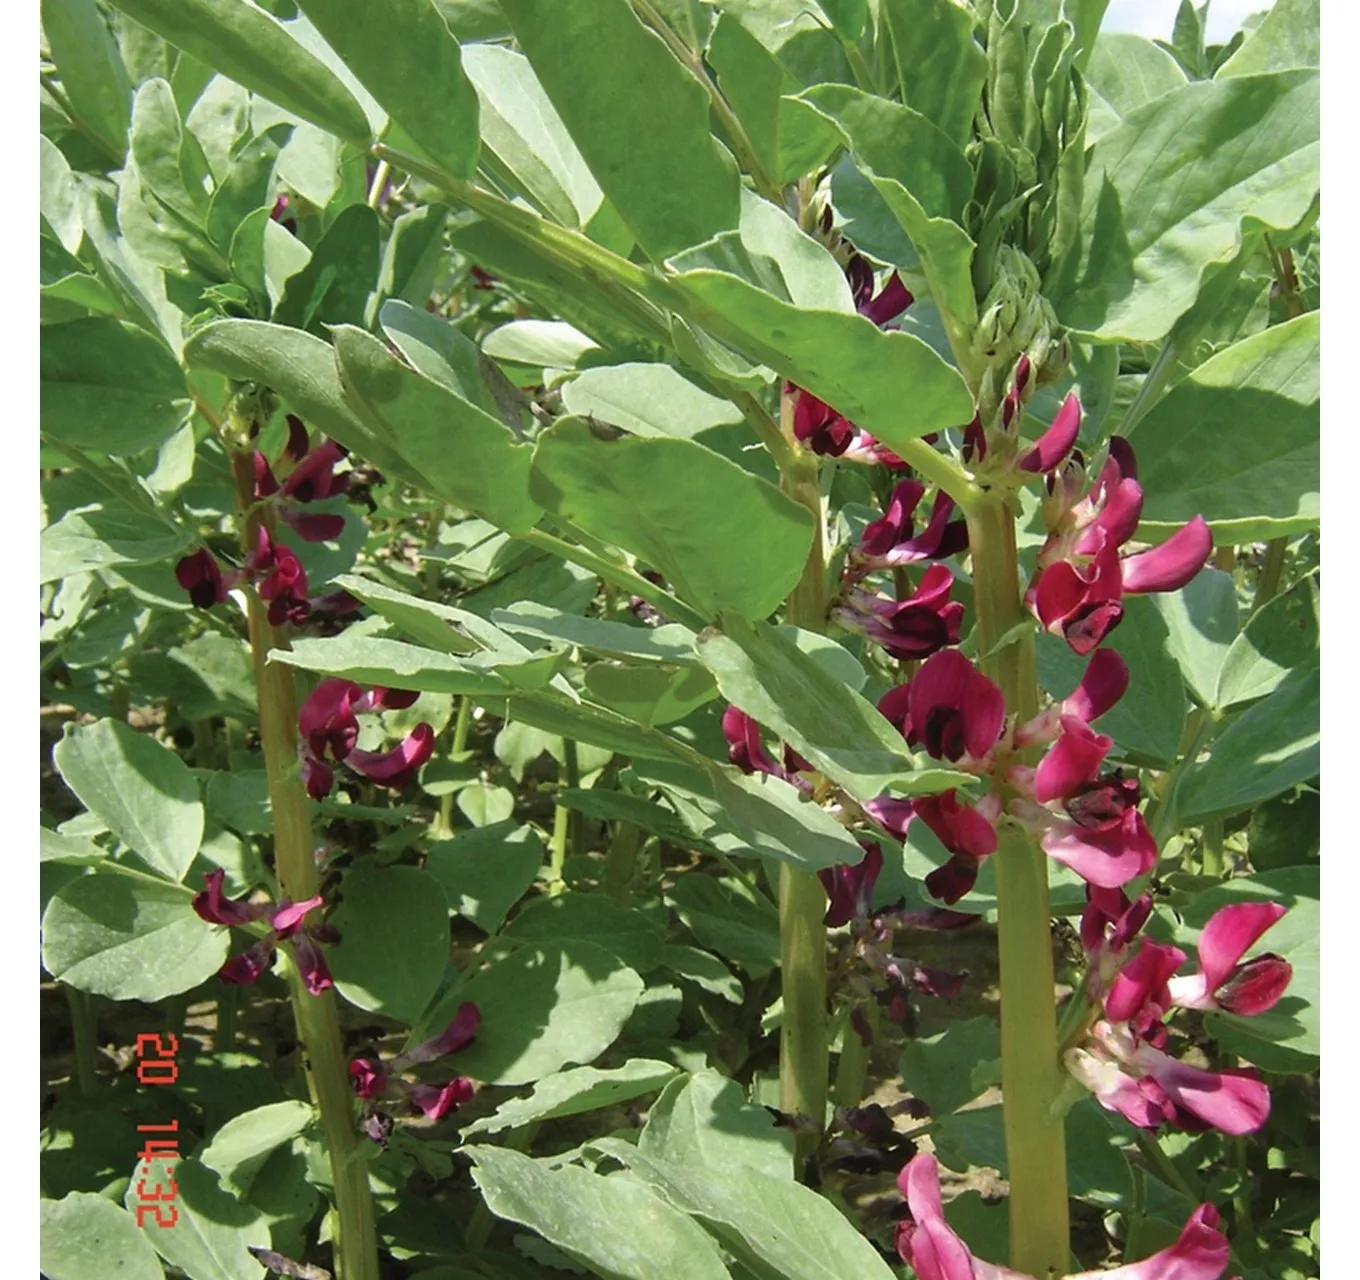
(927, 1244)
(1053, 446)
(1143, 980)
(1071, 762)
(1171, 565)
(1201, 1252)
(1229, 934)
(457, 1035)
(1104, 682)
(397, 767)
(1105, 858)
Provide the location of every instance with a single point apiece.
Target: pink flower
(1150, 1088)
(1225, 981)
(1056, 443)
(1081, 578)
(930, 1247)
(1085, 819)
(891, 540)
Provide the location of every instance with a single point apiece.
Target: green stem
(1166, 1169)
(804, 1057)
(1150, 390)
(228, 1002)
(84, 1031)
(853, 1065)
(355, 1242)
(1031, 1078)
(1268, 584)
(1214, 862)
(176, 1007)
(558, 850)
(622, 861)
(380, 175)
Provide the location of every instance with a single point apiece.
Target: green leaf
(394, 939)
(671, 643)
(439, 351)
(1150, 719)
(619, 806)
(109, 386)
(590, 917)
(615, 1225)
(541, 1007)
(393, 664)
(639, 118)
(93, 77)
(57, 197)
(462, 454)
(1127, 70)
(955, 1066)
(598, 726)
(723, 537)
(866, 373)
(524, 138)
(486, 871)
(769, 677)
(728, 917)
(647, 400)
(88, 1237)
(239, 1149)
(405, 56)
(253, 48)
(941, 67)
(103, 537)
(334, 285)
(170, 164)
(143, 792)
(571, 1093)
(1177, 186)
(1201, 621)
(775, 1227)
(129, 939)
(773, 819)
(705, 1120)
(248, 185)
(705, 970)
(412, 259)
(1289, 36)
(1280, 638)
(788, 139)
(649, 694)
(214, 1231)
(1272, 747)
(1238, 440)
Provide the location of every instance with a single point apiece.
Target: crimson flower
(370, 1077)
(851, 889)
(929, 1245)
(286, 920)
(891, 540)
(957, 714)
(313, 478)
(914, 628)
(1081, 578)
(328, 726)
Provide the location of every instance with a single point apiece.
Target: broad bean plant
(679, 640)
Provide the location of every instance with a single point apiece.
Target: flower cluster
(286, 924)
(928, 1244)
(1124, 1060)
(329, 728)
(274, 568)
(372, 1079)
(1081, 577)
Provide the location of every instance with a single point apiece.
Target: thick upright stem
(84, 1031)
(804, 1057)
(316, 1017)
(1031, 1077)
